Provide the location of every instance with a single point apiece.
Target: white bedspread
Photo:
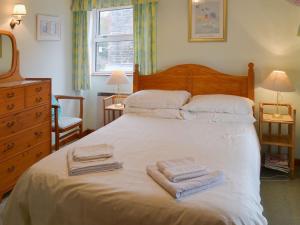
(46, 195)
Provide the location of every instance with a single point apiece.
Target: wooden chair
(71, 125)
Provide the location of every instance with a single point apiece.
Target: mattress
(46, 195)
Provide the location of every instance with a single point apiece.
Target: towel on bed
(181, 169)
(187, 187)
(92, 152)
(90, 166)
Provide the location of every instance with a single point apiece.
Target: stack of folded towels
(89, 159)
(183, 177)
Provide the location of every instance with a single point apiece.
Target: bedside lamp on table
(278, 81)
(118, 78)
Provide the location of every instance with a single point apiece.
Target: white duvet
(46, 195)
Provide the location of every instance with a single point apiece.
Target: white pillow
(218, 117)
(220, 104)
(159, 113)
(157, 99)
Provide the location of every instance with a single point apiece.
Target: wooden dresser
(25, 117)
(25, 128)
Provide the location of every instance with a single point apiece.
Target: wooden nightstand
(278, 132)
(113, 109)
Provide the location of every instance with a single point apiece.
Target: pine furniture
(283, 136)
(67, 126)
(112, 109)
(198, 80)
(25, 121)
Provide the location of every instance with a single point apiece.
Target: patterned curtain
(145, 35)
(81, 73)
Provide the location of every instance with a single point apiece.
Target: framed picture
(48, 28)
(207, 20)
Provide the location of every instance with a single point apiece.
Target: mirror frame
(15, 55)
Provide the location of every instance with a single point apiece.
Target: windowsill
(109, 73)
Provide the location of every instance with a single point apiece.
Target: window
(113, 46)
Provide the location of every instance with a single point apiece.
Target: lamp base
(277, 115)
(119, 105)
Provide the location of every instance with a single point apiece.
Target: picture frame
(207, 20)
(48, 28)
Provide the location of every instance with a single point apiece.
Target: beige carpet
(281, 201)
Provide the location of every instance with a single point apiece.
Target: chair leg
(80, 131)
(56, 141)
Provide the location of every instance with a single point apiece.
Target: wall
(43, 58)
(263, 32)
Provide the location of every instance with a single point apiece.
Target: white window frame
(96, 37)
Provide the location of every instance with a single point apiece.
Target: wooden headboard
(197, 79)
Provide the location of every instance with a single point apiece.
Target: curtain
(80, 57)
(145, 35)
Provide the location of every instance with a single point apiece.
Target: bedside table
(113, 109)
(278, 132)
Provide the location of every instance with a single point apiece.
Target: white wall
(43, 58)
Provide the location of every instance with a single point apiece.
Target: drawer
(37, 153)
(37, 100)
(13, 168)
(26, 119)
(10, 171)
(24, 140)
(9, 94)
(37, 94)
(13, 105)
(37, 89)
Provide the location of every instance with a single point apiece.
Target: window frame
(96, 37)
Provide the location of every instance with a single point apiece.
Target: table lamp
(278, 81)
(117, 78)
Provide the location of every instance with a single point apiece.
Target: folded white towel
(187, 187)
(99, 165)
(181, 169)
(92, 152)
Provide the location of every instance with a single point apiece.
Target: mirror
(6, 54)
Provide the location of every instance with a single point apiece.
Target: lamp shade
(278, 81)
(19, 10)
(117, 77)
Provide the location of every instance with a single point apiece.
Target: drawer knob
(38, 100)
(10, 106)
(38, 114)
(9, 147)
(38, 134)
(10, 95)
(10, 124)
(11, 169)
(38, 89)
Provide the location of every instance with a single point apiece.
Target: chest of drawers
(25, 128)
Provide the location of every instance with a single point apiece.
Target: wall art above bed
(207, 20)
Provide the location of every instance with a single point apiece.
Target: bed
(46, 195)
